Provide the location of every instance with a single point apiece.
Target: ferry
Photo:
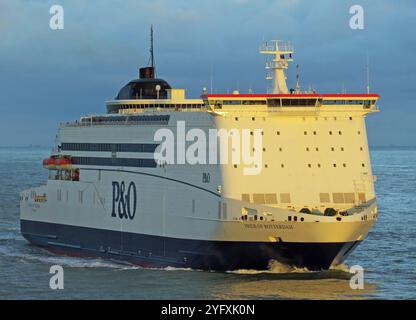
(111, 194)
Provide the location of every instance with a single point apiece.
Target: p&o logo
(124, 200)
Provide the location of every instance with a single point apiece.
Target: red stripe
(302, 95)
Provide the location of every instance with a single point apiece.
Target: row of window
(154, 119)
(109, 147)
(291, 102)
(176, 106)
(359, 102)
(309, 165)
(118, 162)
(272, 198)
(266, 198)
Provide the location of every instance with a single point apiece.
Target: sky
(51, 76)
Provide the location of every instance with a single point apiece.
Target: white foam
(275, 267)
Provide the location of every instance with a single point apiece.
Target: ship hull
(159, 252)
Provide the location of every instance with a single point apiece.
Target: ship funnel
(147, 73)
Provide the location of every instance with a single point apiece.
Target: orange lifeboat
(60, 163)
(49, 163)
(63, 163)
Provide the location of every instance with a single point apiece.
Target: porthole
(330, 132)
(335, 165)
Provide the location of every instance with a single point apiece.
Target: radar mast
(281, 53)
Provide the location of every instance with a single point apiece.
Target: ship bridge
(292, 102)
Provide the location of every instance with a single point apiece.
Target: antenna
(281, 54)
(149, 71)
(211, 77)
(368, 74)
(297, 90)
(152, 59)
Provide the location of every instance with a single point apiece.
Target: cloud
(60, 75)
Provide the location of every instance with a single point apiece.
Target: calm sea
(388, 255)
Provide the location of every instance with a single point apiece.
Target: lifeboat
(61, 163)
(49, 163)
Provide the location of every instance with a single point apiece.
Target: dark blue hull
(156, 251)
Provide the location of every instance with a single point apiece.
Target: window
(245, 197)
(224, 211)
(314, 133)
(278, 133)
(259, 198)
(330, 132)
(324, 198)
(270, 198)
(285, 197)
(282, 165)
(344, 165)
(309, 165)
(338, 197)
(340, 133)
(305, 133)
(363, 165)
(335, 165)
